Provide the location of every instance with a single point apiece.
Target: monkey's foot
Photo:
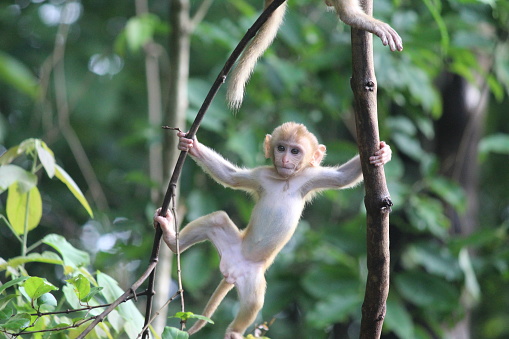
(167, 226)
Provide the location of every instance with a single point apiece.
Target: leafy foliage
(316, 285)
(28, 304)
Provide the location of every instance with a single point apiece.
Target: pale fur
(349, 11)
(251, 54)
(281, 192)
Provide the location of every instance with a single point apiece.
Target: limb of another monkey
(349, 11)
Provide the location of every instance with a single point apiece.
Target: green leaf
(398, 319)
(93, 292)
(11, 154)
(450, 191)
(496, 143)
(12, 283)
(46, 157)
(435, 258)
(72, 256)
(427, 291)
(9, 174)
(184, 316)
(18, 322)
(140, 29)
(75, 190)
(4, 301)
(35, 287)
(81, 285)
(334, 309)
(128, 311)
(174, 333)
(46, 257)
(48, 300)
(18, 75)
(70, 296)
(23, 207)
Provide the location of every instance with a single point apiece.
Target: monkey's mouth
(285, 171)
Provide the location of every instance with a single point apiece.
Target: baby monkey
(349, 11)
(281, 192)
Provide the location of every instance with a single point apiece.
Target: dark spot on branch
(370, 86)
(387, 204)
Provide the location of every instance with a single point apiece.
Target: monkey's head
(292, 148)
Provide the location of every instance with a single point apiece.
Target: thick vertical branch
(377, 199)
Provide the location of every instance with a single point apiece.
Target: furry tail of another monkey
(254, 50)
(221, 291)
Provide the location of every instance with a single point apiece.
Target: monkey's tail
(222, 289)
(254, 50)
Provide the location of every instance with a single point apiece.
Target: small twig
(179, 292)
(179, 268)
(172, 128)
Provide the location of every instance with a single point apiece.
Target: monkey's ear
(318, 155)
(266, 146)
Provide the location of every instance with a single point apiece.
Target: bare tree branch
(377, 199)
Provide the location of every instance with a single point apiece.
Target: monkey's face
(288, 158)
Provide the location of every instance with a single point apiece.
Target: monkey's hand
(188, 145)
(382, 156)
(167, 226)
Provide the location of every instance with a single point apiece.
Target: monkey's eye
(281, 148)
(295, 151)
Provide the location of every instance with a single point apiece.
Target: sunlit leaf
(139, 30)
(46, 257)
(11, 154)
(184, 316)
(35, 287)
(46, 157)
(81, 285)
(23, 208)
(72, 256)
(9, 174)
(75, 190)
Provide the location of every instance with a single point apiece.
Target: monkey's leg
(216, 227)
(251, 290)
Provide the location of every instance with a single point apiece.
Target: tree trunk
(175, 116)
(377, 199)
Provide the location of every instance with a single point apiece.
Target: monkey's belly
(234, 266)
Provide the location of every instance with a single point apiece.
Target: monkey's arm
(346, 175)
(220, 169)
